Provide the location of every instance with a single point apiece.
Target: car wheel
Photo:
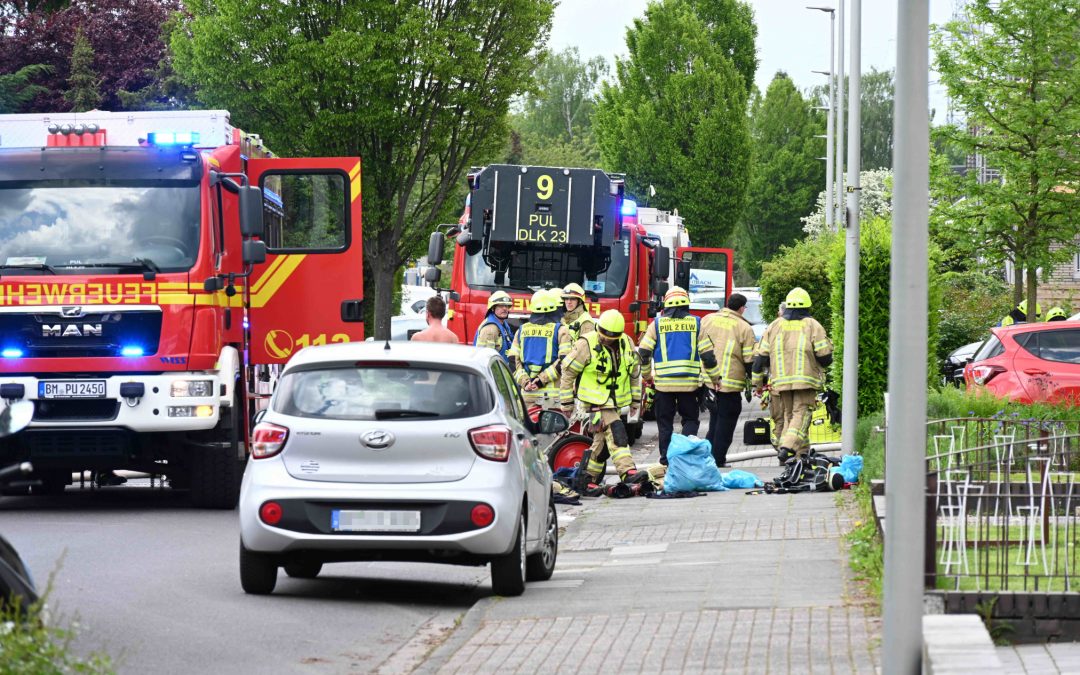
(541, 565)
(303, 569)
(508, 571)
(258, 572)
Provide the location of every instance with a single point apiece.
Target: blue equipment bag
(691, 466)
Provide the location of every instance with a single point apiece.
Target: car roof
(437, 353)
(1032, 327)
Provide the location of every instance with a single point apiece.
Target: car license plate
(72, 389)
(375, 521)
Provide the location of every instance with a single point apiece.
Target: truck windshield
(564, 270)
(64, 227)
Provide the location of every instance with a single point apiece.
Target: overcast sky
(790, 37)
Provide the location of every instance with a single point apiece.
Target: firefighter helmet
(1023, 308)
(573, 291)
(1056, 314)
(798, 299)
(612, 323)
(676, 297)
(500, 298)
(544, 301)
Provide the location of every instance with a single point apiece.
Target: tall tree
(17, 89)
(126, 36)
(877, 92)
(676, 118)
(560, 105)
(1014, 69)
(419, 90)
(786, 174)
(83, 84)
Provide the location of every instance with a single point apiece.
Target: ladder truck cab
(526, 228)
(156, 268)
(706, 273)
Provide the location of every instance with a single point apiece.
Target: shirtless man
(436, 310)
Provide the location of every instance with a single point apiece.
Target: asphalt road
(155, 584)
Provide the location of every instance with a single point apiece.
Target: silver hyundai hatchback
(416, 452)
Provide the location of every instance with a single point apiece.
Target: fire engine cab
(155, 269)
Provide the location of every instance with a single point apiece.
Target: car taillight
(491, 442)
(983, 374)
(271, 513)
(482, 515)
(267, 440)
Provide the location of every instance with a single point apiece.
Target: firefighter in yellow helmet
(1019, 314)
(677, 348)
(536, 349)
(796, 351)
(602, 374)
(494, 331)
(1056, 314)
(576, 319)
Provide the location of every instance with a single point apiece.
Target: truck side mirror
(682, 274)
(662, 265)
(662, 288)
(254, 252)
(251, 211)
(435, 248)
(432, 275)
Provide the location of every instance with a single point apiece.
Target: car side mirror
(254, 252)
(436, 243)
(552, 422)
(251, 211)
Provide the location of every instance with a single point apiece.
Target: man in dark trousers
(733, 344)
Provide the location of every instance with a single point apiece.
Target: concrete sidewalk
(727, 582)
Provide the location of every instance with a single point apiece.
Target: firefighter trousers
(723, 418)
(665, 405)
(609, 438)
(795, 408)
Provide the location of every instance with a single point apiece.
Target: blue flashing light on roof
(12, 353)
(131, 350)
(629, 207)
(172, 138)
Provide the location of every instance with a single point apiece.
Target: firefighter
(603, 375)
(534, 352)
(733, 339)
(577, 319)
(676, 345)
(1019, 314)
(796, 351)
(494, 332)
(1056, 314)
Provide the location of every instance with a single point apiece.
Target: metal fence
(1001, 505)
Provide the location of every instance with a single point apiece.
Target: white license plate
(72, 389)
(375, 521)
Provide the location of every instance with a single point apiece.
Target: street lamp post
(850, 397)
(840, 120)
(831, 112)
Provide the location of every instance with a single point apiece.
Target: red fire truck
(155, 269)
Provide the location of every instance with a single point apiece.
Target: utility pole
(831, 113)
(905, 439)
(840, 121)
(850, 397)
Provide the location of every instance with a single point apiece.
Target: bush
(805, 264)
(949, 402)
(971, 302)
(31, 645)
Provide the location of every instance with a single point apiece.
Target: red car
(1029, 363)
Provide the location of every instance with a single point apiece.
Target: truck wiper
(392, 413)
(30, 266)
(142, 264)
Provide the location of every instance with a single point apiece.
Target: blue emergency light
(172, 138)
(629, 207)
(131, 350)
(12, 353)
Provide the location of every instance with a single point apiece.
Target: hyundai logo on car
(377, 440)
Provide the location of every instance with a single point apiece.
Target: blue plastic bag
(850, 468)
(691, 467)
(737, 478)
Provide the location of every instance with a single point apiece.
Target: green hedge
(971, 303)
(804, 264)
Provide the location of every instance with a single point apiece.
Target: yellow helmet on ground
(544, 301)
(1056, 314)
(573, 291)
(676, 297)
(611, 323)
(1023, 308)
(500, 298)
(798, 299)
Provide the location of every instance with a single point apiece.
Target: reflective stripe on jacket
(504, 333)
(793, 346)
(600, 375)
(733, 343)
(676, 344)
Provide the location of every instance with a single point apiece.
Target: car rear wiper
(30, 266)
(391, 413)
(141, 264)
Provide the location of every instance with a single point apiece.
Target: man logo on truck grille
(279, 344)
(72, 312)
(71, 330)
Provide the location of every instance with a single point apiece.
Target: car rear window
(1054, 345)
(382, 393)
(991, 348)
